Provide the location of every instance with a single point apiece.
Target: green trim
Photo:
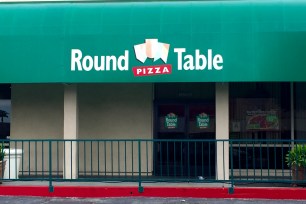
(258, 41)
(106, 1)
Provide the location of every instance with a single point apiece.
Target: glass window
(260, 111)
(184, 91)
(300, 110)
(5, 110)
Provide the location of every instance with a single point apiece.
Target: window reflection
(300, 110)
(5, 111)
(260, 111)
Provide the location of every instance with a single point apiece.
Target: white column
(222, 131)
(70, 130)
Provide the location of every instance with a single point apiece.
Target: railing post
(231, 189)
(140, 188)
(51, 188)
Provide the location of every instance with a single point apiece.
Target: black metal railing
(140, 160)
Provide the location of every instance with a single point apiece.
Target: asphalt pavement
(138, 200)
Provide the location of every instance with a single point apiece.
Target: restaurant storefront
(156, 70)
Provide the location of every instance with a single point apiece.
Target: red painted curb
(94, 192)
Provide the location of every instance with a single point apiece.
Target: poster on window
(262, 120)
(203, 121)
(171, 121)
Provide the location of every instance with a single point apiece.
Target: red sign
(152, 70)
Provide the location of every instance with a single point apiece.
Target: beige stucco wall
(106, 111)
(115, 111)
(37, 111)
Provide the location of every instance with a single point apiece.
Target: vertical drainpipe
(222, 131)
(70, 131)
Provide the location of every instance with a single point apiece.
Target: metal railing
(141, 160)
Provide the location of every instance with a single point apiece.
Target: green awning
(193, 41)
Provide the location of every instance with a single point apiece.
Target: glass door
(201, 136)
(170, 130)
(179, 149)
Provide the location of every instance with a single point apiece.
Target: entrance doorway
(185, 139)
